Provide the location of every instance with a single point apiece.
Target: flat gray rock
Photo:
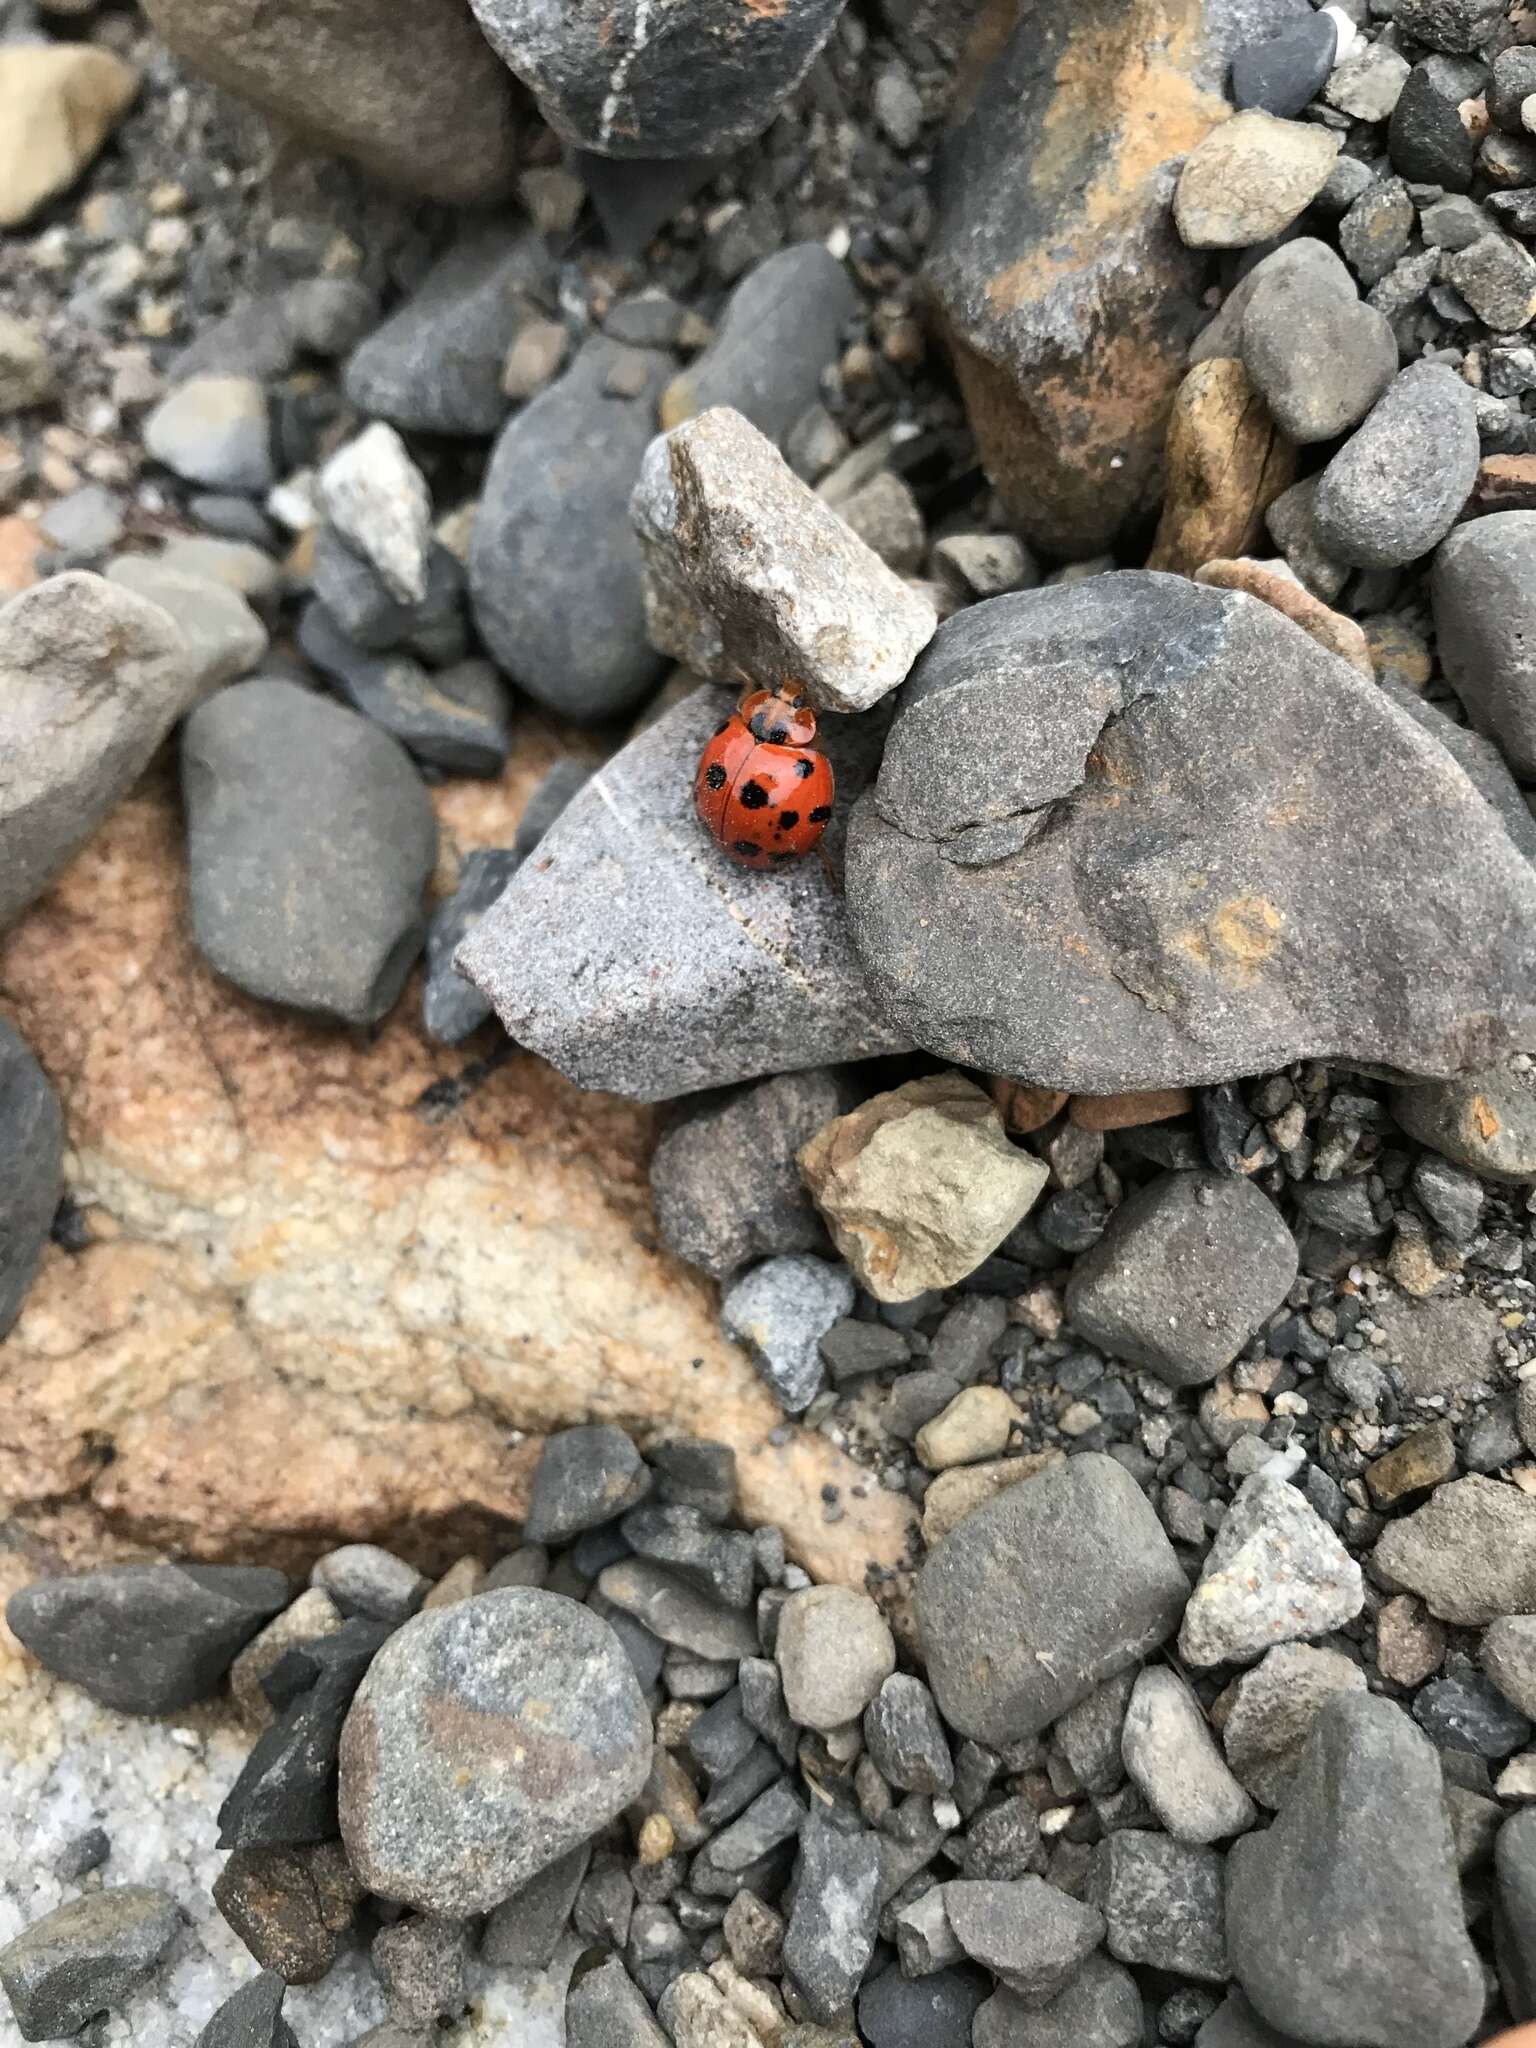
(693, 81)
(487, 1740)
(32, 1179)
(607, 2009)
(434, 367)
(835, 1918)
(554, 566)
(1162, 1902)
(84, 1957)
(1172, 1757)
(223, 636)
(311, 842)
(1395, 487)
(92, 677)
(636, 957)
(750, 574)
(1344, 1918)
(1040, 1594)
(1484, 590)
(1185, 1273)
(585, 1476)
(1030, 1935)
(1469, 1552)
(1186, 893)
(145, 1638)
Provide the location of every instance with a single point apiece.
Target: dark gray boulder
(639, 81)
(637, 958)
(311, 842)
(31, 1169)
(1089, 862)
(145, 1638)
(1344, 1919)
(554, 565)
(1040, 1594)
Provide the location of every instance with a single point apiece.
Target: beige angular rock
(58, 104)
(751, 576)
(91, 680)
(954, 1493)
(919, 1185)
(313, 1615)
(975, 1425)
(1227, 463)
(337, 1284)
(429, 111)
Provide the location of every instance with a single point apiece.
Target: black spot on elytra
(714, 775)
(821, 814)
(746, 849)
(788, 855)
(753, 796)
(788, 820)
(724, 726)
(803, 768)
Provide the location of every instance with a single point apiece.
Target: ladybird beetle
(763, 790)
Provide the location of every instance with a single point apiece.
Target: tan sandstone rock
(58, 104)
(337, 1281)
(1227, 462)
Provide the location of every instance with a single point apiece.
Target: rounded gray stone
(1187, 1270)
(554, 565)
(1316, 355)
(1172, 1757)
(1040, 1594)
(835, 1650)
(311, 843)
(487, 1740)
(214, 431)
(1483, 587)
(1395, 487)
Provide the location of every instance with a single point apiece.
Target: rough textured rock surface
(919, 1185)
(1226, 463)
(769, 582)
(1174, 877)
(371, 1249)
(554, 566)
(1187, 1270)
(430, 112)
(1042, 1593)
(1469, 1552)
(1062, 288)
(691, 81)
(91, 680)
(634, 956)
(486, 1740)
(1344, 1919)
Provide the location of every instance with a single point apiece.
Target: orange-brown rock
(1025, 1108)
(1065, 296)
(1505, 483)
(21, 542)
(1129, 1109)
(1226, 463)
(1329, 628)
(336, 1283)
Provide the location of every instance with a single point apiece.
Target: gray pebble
(84, 1957)
(585, 1477)
(780, 1311)
(1395, 487)
(363, 1579)
(834, 1919)
(1162, 1903)
(451, 1007)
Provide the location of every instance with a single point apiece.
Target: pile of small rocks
(1119, 1145)
(641, 1769)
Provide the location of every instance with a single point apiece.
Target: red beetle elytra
(763, 790)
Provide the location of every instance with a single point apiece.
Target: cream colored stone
(919, 1185)
(461, 1581)
(953, 1494)
(975, 1425)
(338, 1283)
(58, 104)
